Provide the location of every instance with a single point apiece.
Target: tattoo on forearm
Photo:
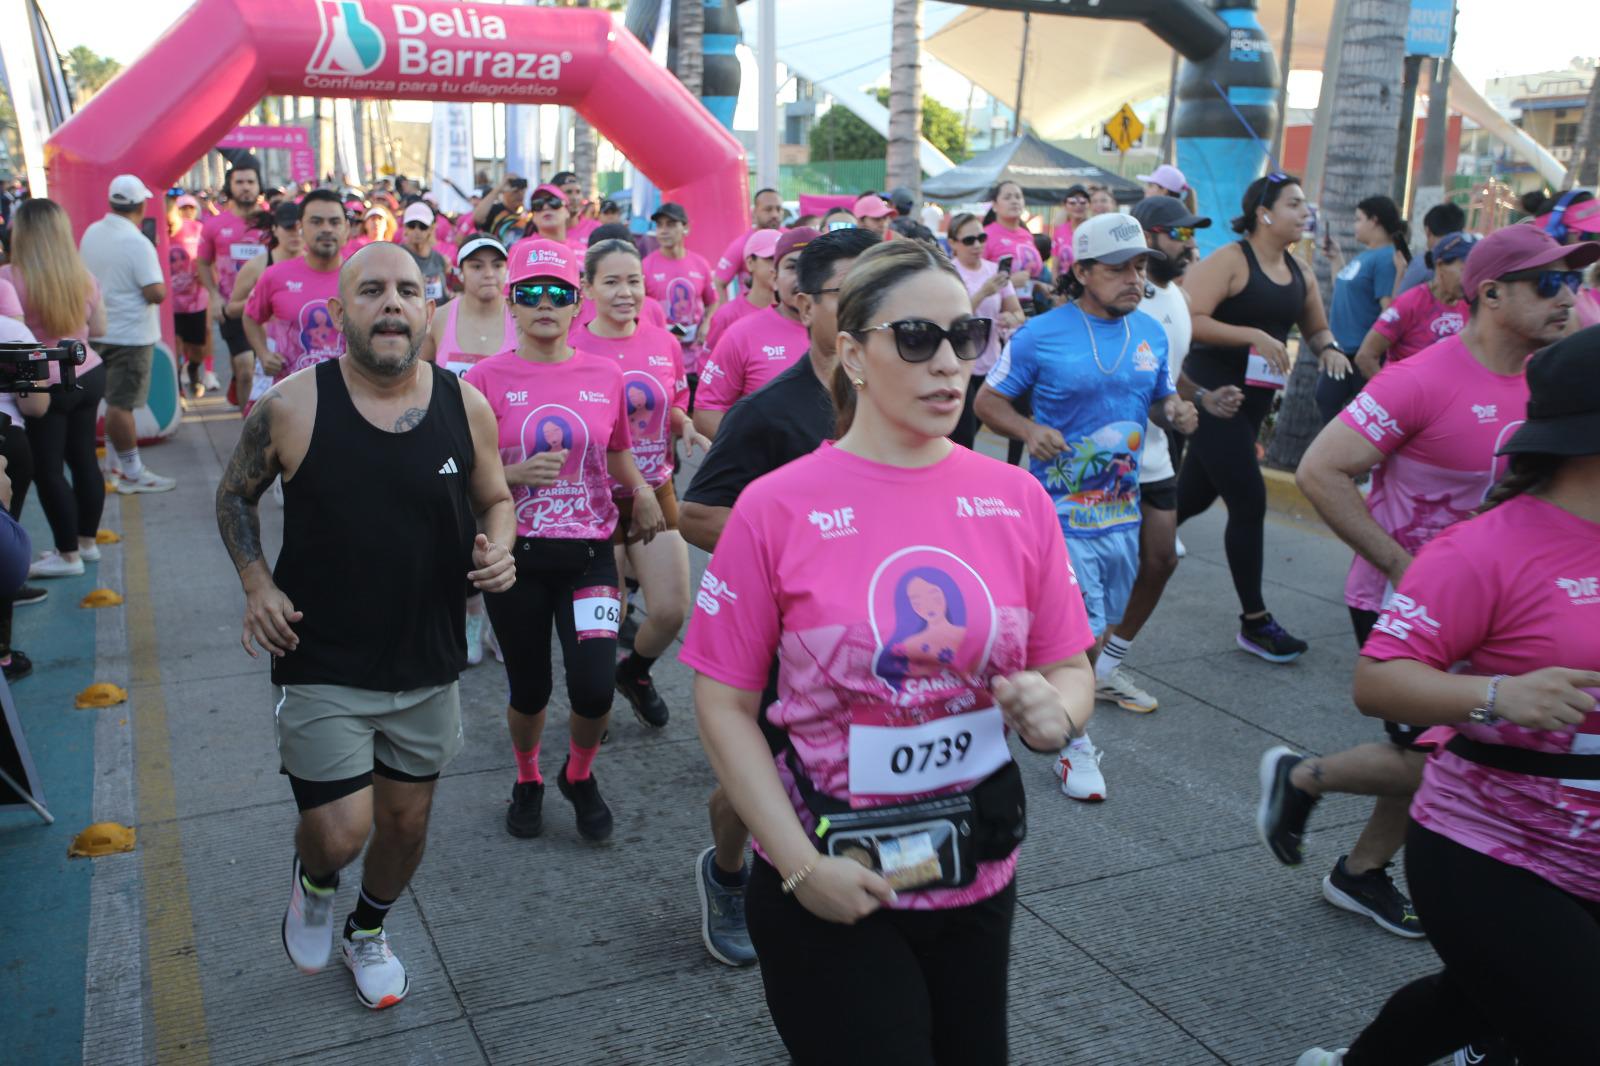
(411, 419)
(249, 472)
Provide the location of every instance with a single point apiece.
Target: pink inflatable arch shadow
(182, 96)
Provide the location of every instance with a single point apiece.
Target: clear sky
(1545, 36)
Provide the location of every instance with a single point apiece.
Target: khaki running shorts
(334, 733)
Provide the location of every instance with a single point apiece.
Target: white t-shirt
(1168, 305)
(124, 261)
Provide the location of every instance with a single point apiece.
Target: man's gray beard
(361, 351)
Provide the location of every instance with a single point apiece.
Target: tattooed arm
(268, 614)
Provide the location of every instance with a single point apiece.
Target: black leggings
(1221, 461)
(19, 468)
(63, 439)
(549, 573)
(1521, 963)
(913, 988)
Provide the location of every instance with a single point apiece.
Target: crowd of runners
(517, 395)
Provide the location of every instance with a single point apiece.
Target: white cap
(127, 191)
(417, 212)
(1112, 239)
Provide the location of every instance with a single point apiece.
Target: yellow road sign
(1124, 128)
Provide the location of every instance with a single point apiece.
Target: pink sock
(579, 760)
(210, 362)
(527, 765)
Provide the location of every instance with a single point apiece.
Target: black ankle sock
(369, 913)
(637, 666)
(325, 882)
(727, 880)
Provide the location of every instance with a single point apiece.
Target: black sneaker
(525, 816)
(1373, 894)
(1265, 638)
(594, 817)
(1283, 810)
(19, 667)
(641, 694)
(628, 631)
(1478, 1053)
(29, 594)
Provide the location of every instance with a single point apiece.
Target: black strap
(1525, 760)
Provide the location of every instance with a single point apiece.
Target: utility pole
(1405, 142)
(1430, 189)
(1022, 76)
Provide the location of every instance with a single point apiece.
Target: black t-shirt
(788, 417)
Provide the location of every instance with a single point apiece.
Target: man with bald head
(389, 466)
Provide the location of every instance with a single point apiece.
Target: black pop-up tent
(1044, 171)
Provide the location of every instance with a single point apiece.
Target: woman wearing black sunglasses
(992, 298)
(564, 439)
(1244, 299)
(918, 599)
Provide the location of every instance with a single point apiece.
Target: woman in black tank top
(1244, 298)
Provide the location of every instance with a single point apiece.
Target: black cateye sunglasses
(544, 203)
(917, 340)
(976, 238)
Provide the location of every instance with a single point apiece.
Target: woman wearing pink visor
(564, 440)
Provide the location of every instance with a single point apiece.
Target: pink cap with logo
(1517, 248)
(548, 190)
(871, 206)
(762, 244)
(540, 258)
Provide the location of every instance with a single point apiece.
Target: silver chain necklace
(1127, 335)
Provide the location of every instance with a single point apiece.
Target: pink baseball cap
(763, 243)
(793, 240)
(1168, 177)
(1584, 217)
(1517, 248)
(188, 201)
(548, 190)
(537, 257)
(418, 212)
(871, 206)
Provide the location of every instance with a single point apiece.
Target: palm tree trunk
(1586, 153)
(691, 44)
(585, 147)
(905, 96)
(1362, 133)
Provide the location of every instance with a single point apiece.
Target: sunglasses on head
(1275, 178)
(1547, 283)
(530, 294)
(1078, 201)
(1177, 233)
(977, 238)
(917, 340)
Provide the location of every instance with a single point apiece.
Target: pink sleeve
(206, 252)
(708, 291)
(680, 380)
(474, 377)
(733, 633)
(717, 327)
(259, 306)
(1060, 627)
(621, 438)
(731, 262)
(1389, 325)
(10, 304)
(722, 390)
(1385, 411)
(1441, 611)
(655, 315)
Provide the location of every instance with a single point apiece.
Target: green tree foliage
(89, 72)
(841, 134)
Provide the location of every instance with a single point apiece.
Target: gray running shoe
(722, 927)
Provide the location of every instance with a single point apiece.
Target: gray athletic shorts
(335, 733)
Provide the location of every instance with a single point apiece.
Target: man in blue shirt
(1096, 370)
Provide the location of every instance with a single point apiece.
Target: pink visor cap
(762, 244)
(540, 258)
(1581, 218)
(871, 206)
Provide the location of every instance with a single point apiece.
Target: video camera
(23, 367)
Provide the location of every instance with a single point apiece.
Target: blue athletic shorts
(1106, 565)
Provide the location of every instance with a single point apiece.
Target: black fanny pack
(932, 843)
(1525, 760)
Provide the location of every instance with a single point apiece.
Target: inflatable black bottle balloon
(721, 77)
(1222, 101)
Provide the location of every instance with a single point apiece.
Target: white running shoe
(210, 382)
(1320, 1057)
(381, 980)
(147, 481)
(51, 564)
(89, 553)
(1177, 542)
(1120, 689)
(475, 639)
(308, 924)
(1079, 767)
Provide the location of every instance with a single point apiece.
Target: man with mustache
(367, 633)
(1096, 370)
(287, 317)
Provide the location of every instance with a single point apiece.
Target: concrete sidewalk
(1153, 929)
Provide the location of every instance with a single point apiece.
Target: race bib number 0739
(907, 760)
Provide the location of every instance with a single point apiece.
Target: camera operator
(16, 474)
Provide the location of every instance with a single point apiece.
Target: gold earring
(858, 383)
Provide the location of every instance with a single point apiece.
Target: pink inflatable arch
(182, 96)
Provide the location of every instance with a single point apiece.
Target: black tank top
(377, 542)
(1262, 304)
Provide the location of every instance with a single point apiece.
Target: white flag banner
(452, 156)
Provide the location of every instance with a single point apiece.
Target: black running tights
(1221, 461)
(63, 439)
(915, 988)
(1521, 964)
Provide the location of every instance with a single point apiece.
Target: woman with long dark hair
(61, 301)
(1363, 289)
(898, 626)
(1244, 298)
(992, 298)
(1010, 239)
(1494, 633)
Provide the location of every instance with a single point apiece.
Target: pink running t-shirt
(1061, 246)
(683, 289)
(730, 264)
(892, 598)
(575, 406)
(1438, 418)
(188, 295)
(653, 383)
(1018, 244)
(1511, 591)
(752, 353)
(296, 297)
(228, 243)
(1416, 320)
(735, 310)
